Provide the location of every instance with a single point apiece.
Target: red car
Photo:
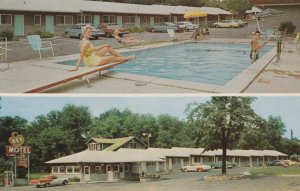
(49, 180)
(109, 28)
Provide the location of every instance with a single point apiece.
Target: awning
(194, 14)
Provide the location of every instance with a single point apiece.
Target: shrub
(8, 34)
(74, 179)
(136, 30)
(43, 34)
(287, 27)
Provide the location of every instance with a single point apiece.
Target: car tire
(107, 35)
(65, 182)
(68, 35)
(152, 30)
(80, 36)
(37, 186)
(217, 26)
(46, 185)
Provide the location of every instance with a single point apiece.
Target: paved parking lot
(185, 181)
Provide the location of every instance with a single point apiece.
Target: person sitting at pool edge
(256, 47)
(95, 56)
(124, 40)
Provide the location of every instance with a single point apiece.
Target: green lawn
(37, 175)
(276, 170)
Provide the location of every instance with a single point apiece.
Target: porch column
(170, 164)
(181, 162)
(138, 21)
(201, 159)
(263, 162)
(239, 161)
(193, 160)
(157, 167)
(250, 162)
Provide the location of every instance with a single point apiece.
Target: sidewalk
(282, 77)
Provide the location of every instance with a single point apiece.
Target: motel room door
(96, 20)
(87, 173)
(50, 23)
(19, 25)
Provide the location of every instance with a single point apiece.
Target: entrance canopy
(194, 14)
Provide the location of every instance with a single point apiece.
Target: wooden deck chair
(38, 45)
(3, 54)
(171, 34)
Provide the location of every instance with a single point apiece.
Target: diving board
(69, 76)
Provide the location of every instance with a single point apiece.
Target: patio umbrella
(194, 14)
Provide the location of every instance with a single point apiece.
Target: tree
(57, 134)
(171, 132)
(237, 5)
(219, 122)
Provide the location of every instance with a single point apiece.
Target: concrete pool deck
(264, 76)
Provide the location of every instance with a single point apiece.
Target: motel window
(108, 168)
(69, 169)
(62, 169)
(150, 164)
(116, 168)
(158, 20)
(64, 20)
(5, 19)
(132, 144)
(109, 19)
(76, 169)
(37, 20)
(92, 146)
(97, 169)
(55, 169)
(126, 168)
(145, 20)
(121, 168)
(129, 19)
(83, 18)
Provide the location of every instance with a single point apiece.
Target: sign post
(19, 152)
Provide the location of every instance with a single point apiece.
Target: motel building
(27, 16)
(129, 158)
(290, 9)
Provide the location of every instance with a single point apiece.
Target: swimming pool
(209, 63)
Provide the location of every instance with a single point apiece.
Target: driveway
(185, 181)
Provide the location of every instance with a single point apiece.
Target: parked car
(109, 28)
(76, 31)
(241, 23)
(164, 26)
(227, 24)
(203, 166)
(219, 165)
(275, 163)
(196, 167)
(290, 163)
(49, 180)
(186, 26)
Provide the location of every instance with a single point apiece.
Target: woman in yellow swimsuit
(95, 56)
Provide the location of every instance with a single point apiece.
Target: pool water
(210, 63)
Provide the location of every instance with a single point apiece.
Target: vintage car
(76, 31)
(163, 27)
(49, 180)
(109, 28)
(227, 24)
(196, 167)
(186, 26)
(219, 165)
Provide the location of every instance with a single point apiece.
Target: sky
(29, 107)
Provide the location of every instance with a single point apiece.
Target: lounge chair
(3, 53)
(171, 33)
(38, 45)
